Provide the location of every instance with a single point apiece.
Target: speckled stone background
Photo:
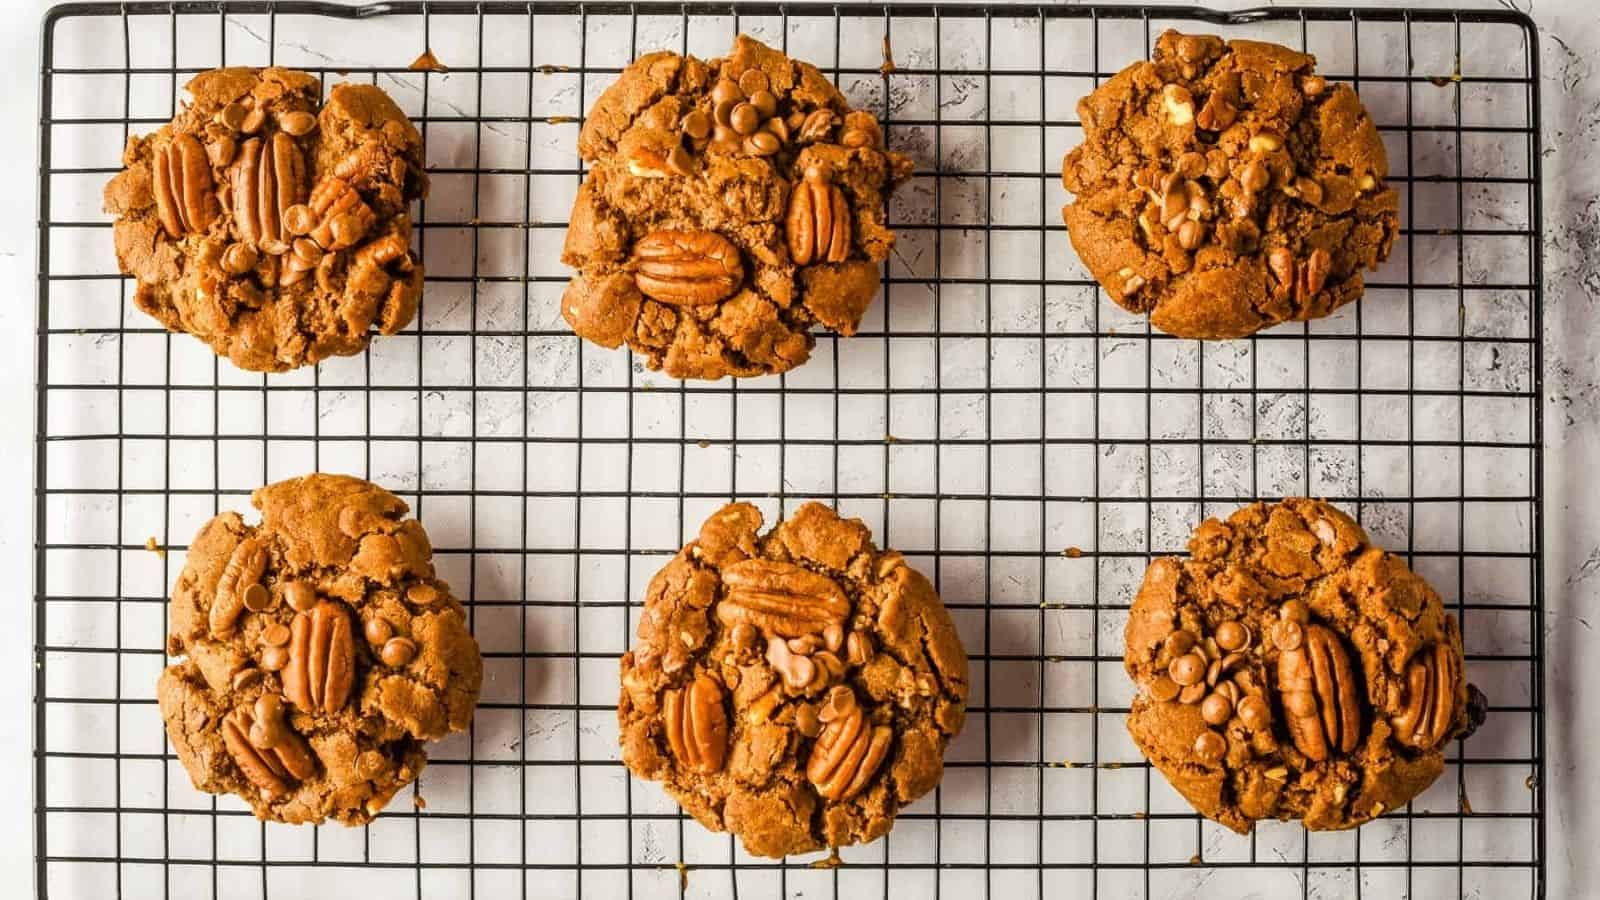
(952, 396)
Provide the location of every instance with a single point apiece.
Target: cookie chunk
(797, 688)
(1223, 188)
(276, 232)
(320, 653)
(1289, 669)
(732, 204)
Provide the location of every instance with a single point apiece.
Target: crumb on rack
(427, 62)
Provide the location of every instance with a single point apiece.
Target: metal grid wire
(1021, 439)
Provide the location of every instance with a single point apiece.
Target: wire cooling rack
(1025, 442)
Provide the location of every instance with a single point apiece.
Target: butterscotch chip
(272, 157)
(1348, 700)
(805, 749)
(1222, 188)
(286, 706)
(690, 147)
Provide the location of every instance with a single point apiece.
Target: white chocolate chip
(1179, 103)
(1265, 143)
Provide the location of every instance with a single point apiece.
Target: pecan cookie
(1289, 669)
(321, 653)
(732, 205)
(1223, 188)
(797, 688)
(274, 232)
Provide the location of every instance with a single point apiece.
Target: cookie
(1289, 669)
(731, 205)
(320, 653)
(276, 232)
(1223, 188)
(796, 688)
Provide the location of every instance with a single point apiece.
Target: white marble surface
(1570, 40)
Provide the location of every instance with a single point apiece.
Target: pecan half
(185, 201)
(817, 126)
(335, 216)
(1429, 709)
(322, 657)
(1321, 701)
(269, 768)
(847, 754)
(780, 598)
(1313, 274)
(818, 226)
(242, 570)
(268, 178)
(697, 725)
(687, 268)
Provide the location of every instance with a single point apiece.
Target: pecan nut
(1429, 709)
(335, 216)
(847, 754)
(268, 178)
(780, 598)
(322, 657)
(817, 126)
(687, 268)
(243, 569)
(697, 725)
(1313, 274)
(1321, 701)
(818, 226)
(272, 769)
(185, 200)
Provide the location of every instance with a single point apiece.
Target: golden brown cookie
(732, 204)
(1223, 188)
(276, 232)
(1289, 669)
(795, 688)
(321, 653)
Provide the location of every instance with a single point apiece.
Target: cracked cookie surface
(1289, 669)
(321, 653)
(732, 204)
(796, 688)
(1225, 187)
(275, 231)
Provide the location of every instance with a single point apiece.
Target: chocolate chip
(274, 658)
(680, 162)
(297, 123)
(1216, 709)
(725, 90)
(745, 118)
(299, 595)
(1210, 747)
(765, 102)
(762, 143)
(378, 631)
(1188, 669)
(753, 82)
(238, 259)
(398, 651)
(257, 598)
(697, 125)
(1163, 689)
